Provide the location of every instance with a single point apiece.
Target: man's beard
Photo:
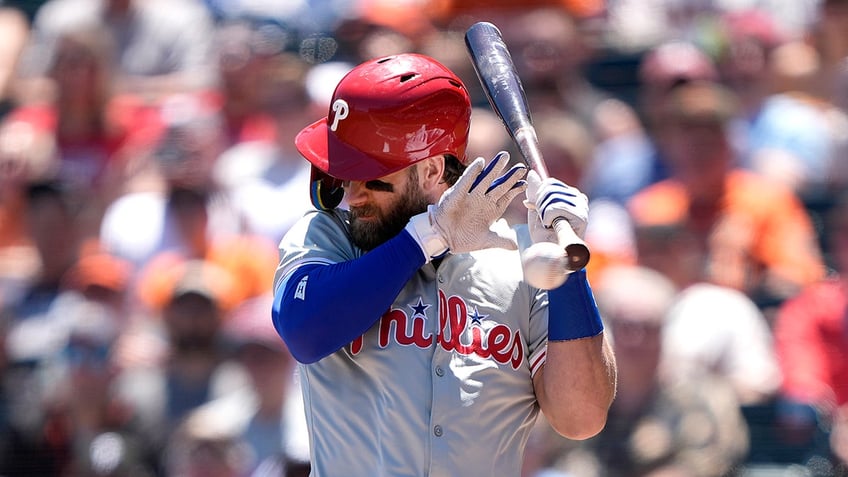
(368, 235)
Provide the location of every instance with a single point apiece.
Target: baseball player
(421, 349)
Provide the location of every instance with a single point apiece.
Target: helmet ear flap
(325, 191)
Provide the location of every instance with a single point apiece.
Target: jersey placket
(444, 383)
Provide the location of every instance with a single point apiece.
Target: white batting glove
(461, 221)
(548, 200)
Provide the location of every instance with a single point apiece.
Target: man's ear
(431, 172)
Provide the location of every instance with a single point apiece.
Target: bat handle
(576, 251)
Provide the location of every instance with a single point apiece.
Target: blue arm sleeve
(322, 308)
(572, 311)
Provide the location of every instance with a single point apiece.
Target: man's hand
(479, 198)
(549, 200)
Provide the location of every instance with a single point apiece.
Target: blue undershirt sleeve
(321, 308)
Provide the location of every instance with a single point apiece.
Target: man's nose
(356, 192)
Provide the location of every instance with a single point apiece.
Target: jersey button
(437, 430)
(441, 278)
(440, 371)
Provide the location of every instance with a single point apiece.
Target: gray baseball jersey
(441, 384)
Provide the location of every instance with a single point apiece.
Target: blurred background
(147, 173)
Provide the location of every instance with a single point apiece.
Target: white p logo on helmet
(341, 111)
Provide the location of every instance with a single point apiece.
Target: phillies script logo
(461, 330)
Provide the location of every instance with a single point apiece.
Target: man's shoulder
(334, 217)
(749, 191)
(317, 223)
(662, 202)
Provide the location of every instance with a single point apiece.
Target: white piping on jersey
(537, 359)
(288, 271)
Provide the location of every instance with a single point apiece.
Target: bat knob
(577, 255)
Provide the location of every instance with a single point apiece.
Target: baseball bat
(505, 92)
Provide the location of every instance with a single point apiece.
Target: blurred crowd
(147, 173)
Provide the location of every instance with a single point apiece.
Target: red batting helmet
(385, 115)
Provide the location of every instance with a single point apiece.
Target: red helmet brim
(317, 145)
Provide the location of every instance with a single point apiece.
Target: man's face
(699, 155)
(381, 208)
(193, 321)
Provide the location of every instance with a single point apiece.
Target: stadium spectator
(753, 233)
(162, 47)
(190, 302)
(26, 157)
(648, 433)
(14, 34)
(811, 335)
(784, 135)
(632, 160)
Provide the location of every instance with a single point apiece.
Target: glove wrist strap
(432, 244)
